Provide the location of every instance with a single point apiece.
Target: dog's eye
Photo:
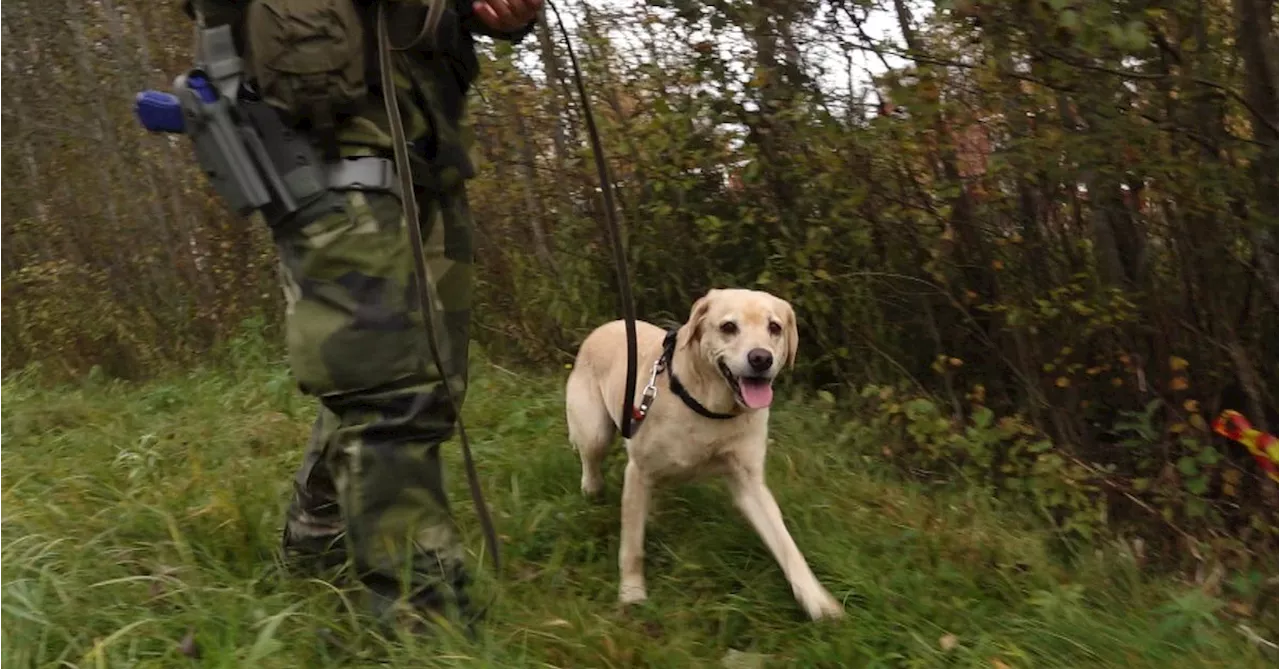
(775, 329)
(729, 328)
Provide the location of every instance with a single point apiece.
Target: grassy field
(133, 515)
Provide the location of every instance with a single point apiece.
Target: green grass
(132, 514)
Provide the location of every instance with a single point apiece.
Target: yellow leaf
(1231, 476)
(1178, 428)
(1197, 421)
(1192, 406)
(1117, 381)
(1177, 364)
(610, 647)
(1179, 383)
(955, 362)
(1062, 382)
(1093, 371)
(1240, 608)
(997, 264)
(1228, 490)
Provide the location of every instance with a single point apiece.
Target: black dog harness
(664, 364)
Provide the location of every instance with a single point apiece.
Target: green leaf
(1187, 466)
(1196, 508)
(1040, 446)
(921, 407)
(1198, 485)
(1070, 20)
(1210, 456)
(1135, 36)
(1116, 36)
(983, 417)
(266, 643)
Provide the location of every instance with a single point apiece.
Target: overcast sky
(823, 51)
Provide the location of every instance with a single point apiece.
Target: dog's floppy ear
(691, 331)
(792, 331)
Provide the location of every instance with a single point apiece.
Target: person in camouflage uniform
(369, 491)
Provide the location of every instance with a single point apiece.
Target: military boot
(313, 540)
(441, 600)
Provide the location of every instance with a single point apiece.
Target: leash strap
(629, 422)
(410, 204)
(400, 148)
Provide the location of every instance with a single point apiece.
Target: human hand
(506, 15)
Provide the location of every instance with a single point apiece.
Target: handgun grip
(158, 111)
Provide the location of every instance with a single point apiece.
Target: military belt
(363, 173)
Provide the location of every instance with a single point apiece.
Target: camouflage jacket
(431, 85)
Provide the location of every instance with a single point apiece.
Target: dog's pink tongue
(756, 393)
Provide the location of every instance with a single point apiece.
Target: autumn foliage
(1032, 243)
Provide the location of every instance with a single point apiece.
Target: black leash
(628, 417)
(631, 416)
(424, 286)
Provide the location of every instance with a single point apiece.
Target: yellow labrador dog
(710, 416)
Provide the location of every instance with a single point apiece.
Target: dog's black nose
(759, 359)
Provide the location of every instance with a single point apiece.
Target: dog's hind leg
(591, 429)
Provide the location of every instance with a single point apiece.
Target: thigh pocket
(351, 324)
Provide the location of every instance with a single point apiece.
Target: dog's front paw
(592, 485)
(592, 490)
(822, 605)
(631, 594)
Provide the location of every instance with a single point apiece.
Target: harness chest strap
(664, 363)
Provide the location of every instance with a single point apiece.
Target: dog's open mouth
(753, 392)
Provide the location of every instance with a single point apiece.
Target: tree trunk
(534, 211)
(555, 109)
(1257, 47)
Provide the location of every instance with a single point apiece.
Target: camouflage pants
(370, 485)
